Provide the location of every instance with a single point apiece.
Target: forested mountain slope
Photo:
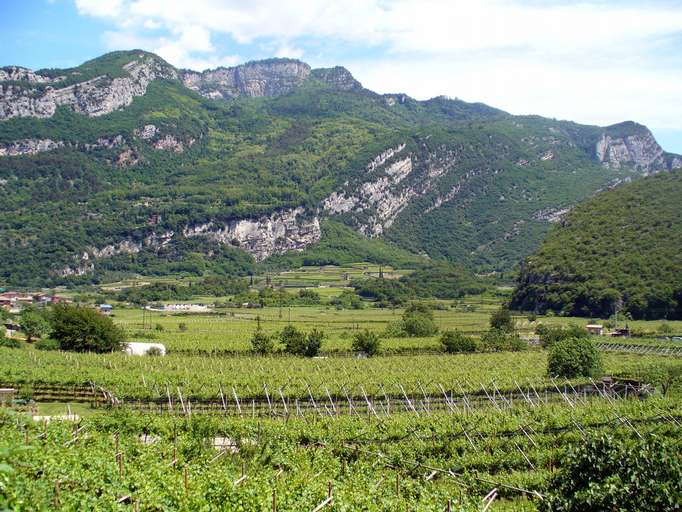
(621, 250)
(126, 164)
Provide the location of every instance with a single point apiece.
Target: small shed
(106, 309)
(138, 348)
(595, 329)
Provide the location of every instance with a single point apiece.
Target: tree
(85, 330)
(293, 340)
(606, 473)
(501, 319)
(499, 340)
(34, 324)
(455, 341)
(574, 357)
(418, 320)
(261, 343)
(366, 342)
(313, 343)
(417, 324)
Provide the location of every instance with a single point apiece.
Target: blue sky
(596, 62)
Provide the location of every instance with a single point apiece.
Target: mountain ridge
(255, 159)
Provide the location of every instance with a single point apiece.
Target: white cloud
(592, 61)
(100, 8)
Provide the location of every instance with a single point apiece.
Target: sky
(594, 61)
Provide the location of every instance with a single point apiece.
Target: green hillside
(161, 185)
(620, 250)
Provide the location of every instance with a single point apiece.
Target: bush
(46, 344)
(665, 328)
(498, 340)
(9, 342)
(419, 324)
(456, 342)
(153, 351)
(261, 343)
(158, 327)
(313, 343)
(502, 320)
(366, 342)
(418, 308)
(85, 330)
(574, 357)
(395, 330)
(182, 327)
(293, 340)
(549, 335)
(605, 473)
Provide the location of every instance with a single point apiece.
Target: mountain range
(126, 164)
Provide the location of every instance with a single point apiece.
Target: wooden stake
(186, 480)
(57, 492)
(274, 500)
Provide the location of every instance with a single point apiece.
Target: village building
(595, 329)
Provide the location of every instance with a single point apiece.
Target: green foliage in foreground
(82, 329)
(261, 343)
(366, 342)
(622, 246)
(298, 343)
(9, 342)
(606, 472)
(457, 342)
(574, 357)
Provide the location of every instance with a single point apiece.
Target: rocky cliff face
(393, 179)
(338, 77)
(254, 79)
(633, 145)
(286, 230)
(95, 97)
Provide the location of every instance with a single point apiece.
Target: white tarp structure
(136, 348)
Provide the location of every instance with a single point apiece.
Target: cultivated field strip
(640, 349)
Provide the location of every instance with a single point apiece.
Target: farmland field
(211, 425)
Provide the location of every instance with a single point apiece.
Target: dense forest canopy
(621, 250)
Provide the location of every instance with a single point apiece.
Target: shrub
(665, 328)
(261, 343)
(549, 335)
(395, 330)
(158, 327)
(182, 327)
(419, 324)
(366, 342)
(605, 473)
(418, 308)
(293, 340)
(308, 296)
(498, 340)
(502, 320)
(46, 344)
(532, 317)
(574, 357)
(9, 342)
(85, 330)
(153, 351)
(455, 341)
(313, 343)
